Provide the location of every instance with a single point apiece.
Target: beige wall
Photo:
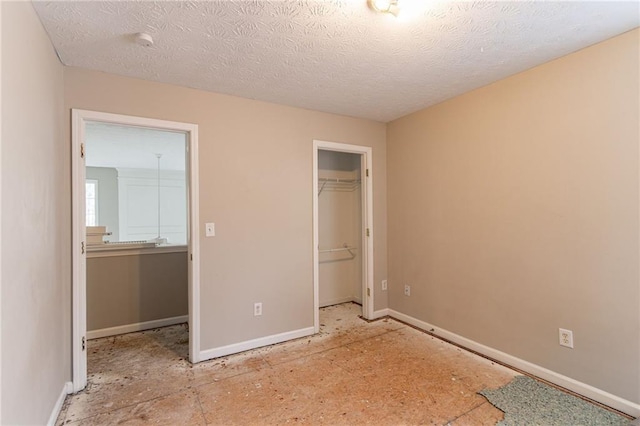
(36, 358)
(130, 289)
(256, 185)
(513, 211)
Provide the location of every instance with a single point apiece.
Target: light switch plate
(210, 229)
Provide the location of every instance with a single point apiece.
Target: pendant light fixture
(159, 240)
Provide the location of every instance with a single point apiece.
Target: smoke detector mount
(144, 39)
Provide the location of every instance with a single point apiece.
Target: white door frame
(79, 265)
(367, 224)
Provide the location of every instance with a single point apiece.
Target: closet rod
(337, 249)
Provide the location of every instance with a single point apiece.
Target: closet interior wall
(339, 227)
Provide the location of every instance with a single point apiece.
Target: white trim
(255, 343)
(380, 314)
(138, 326)
(78, 259)
(66, 390)
(584, 389)
(316, 242)
(367, 222)
(79, 315)
(1, 216)
(193, 191)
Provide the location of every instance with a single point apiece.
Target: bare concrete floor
(352, 372)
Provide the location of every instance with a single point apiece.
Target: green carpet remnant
(526, 401)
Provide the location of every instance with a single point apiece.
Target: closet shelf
(338, 180)
(338, 184)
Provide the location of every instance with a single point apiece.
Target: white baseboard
(584, 389)
(66, 390)
(139, 326)
(380, 314)
(255, 343)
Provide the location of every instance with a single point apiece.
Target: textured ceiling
(329, 55)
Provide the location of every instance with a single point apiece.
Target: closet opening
(343, 237)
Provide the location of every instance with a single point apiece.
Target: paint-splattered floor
(352, 372)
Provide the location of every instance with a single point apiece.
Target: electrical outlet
(407, 290)
(566, 338)
(257, 309)
(384, 285)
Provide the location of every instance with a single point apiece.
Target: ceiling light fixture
(404, 10)
(385, 6)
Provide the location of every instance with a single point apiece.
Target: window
(91, 202)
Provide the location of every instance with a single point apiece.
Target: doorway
(342, 226)
(136, 229)
(183, 231)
